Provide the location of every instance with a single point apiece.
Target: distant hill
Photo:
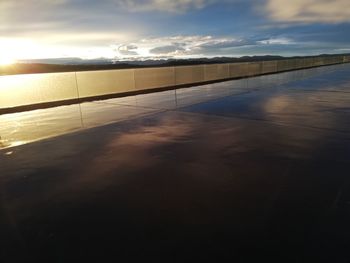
(77, 64)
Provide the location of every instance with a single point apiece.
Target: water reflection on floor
(247, 171)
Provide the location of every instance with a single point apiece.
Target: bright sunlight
(5, 61)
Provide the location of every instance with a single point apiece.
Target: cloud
(60, 17)
(186, 46)
(64, 28)
(308, 11)
(173, 6)
(168, 50)
(168, 28)
(222, 43)
(276, 41)
(127, 50)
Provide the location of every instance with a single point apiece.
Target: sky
(143, 29)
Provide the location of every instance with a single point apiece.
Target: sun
(6, 61)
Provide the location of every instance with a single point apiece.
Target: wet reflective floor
(252, 170)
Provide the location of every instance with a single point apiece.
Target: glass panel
(189, 74)
(95, 83)
(151, 78)
(18, 90)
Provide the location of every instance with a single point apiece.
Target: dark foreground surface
(253, 170)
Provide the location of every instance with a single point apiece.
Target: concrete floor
(252, 170)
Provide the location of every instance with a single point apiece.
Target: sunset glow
(8, 51)
(5, 61)
(153, 29)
